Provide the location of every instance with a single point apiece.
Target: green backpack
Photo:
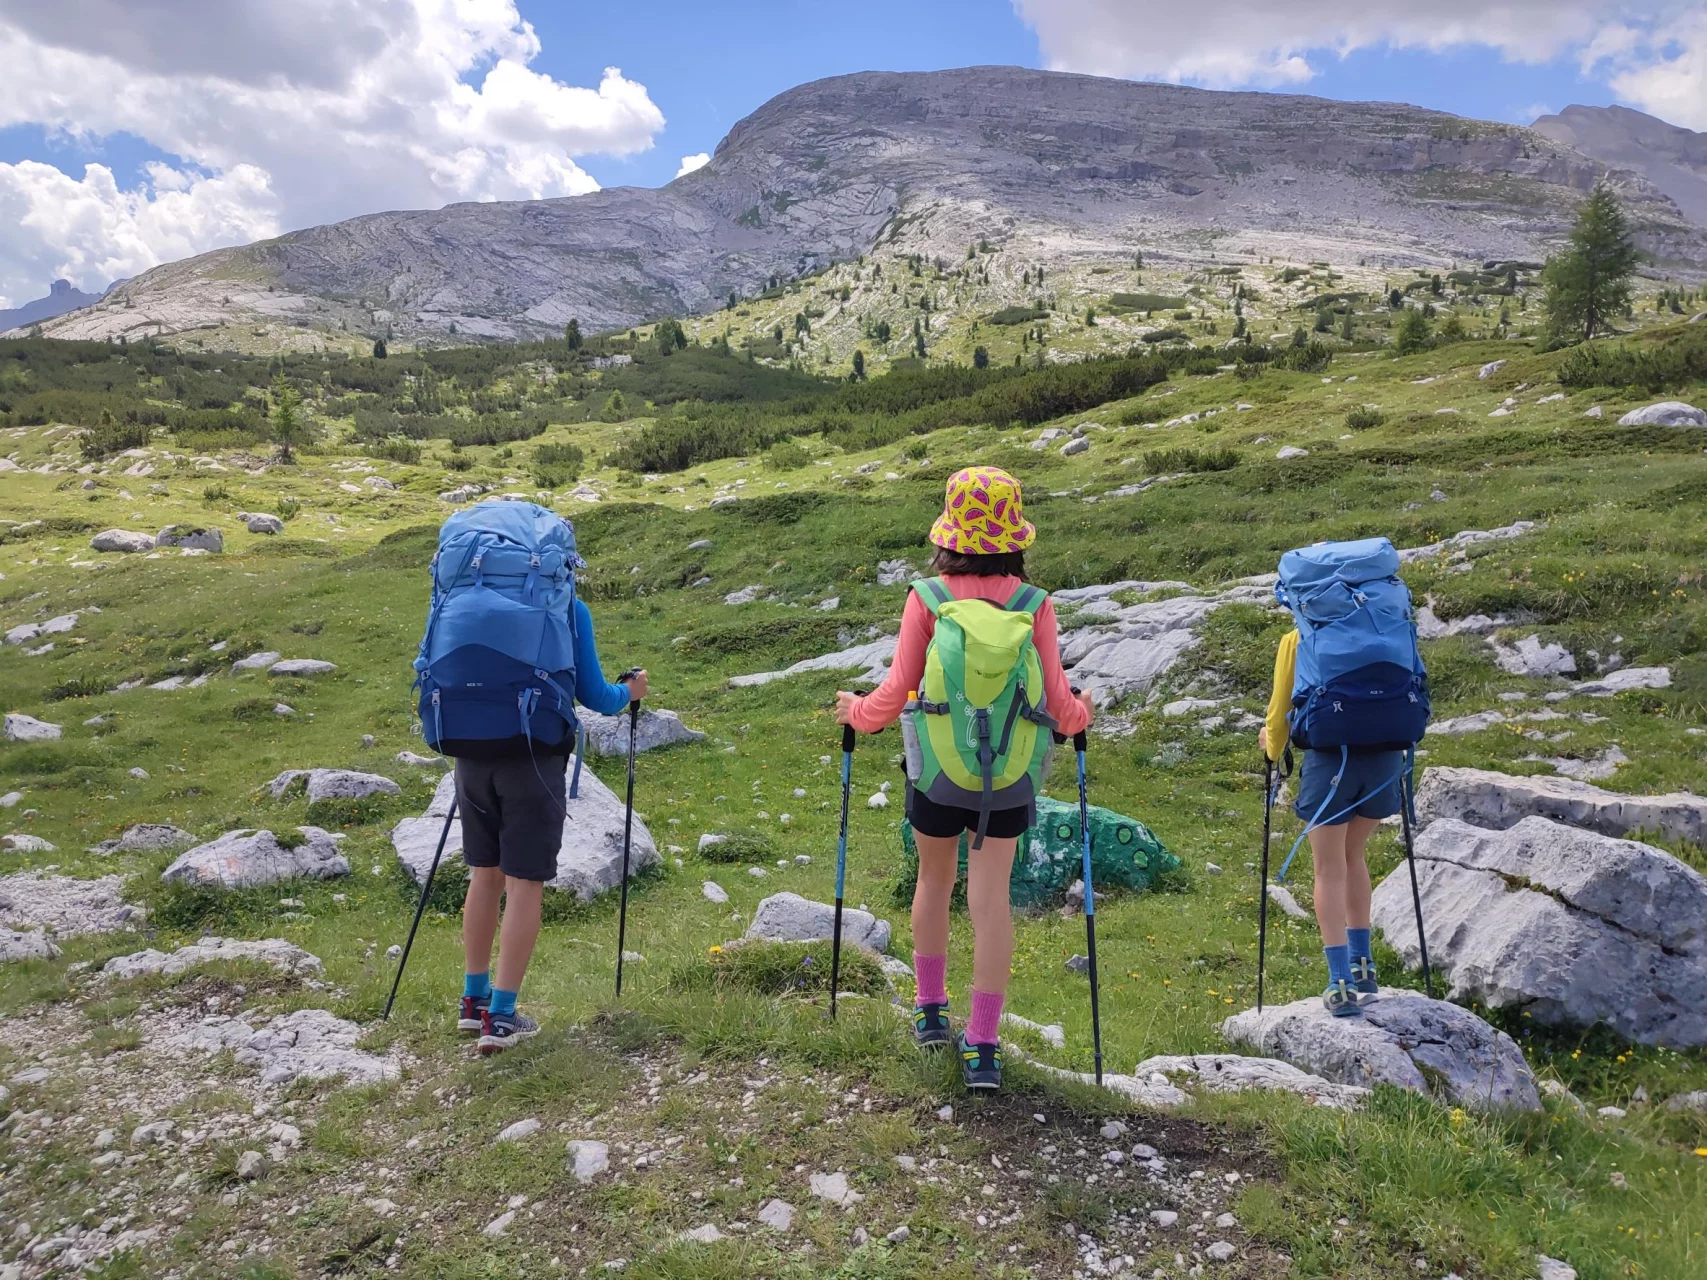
(978, 732)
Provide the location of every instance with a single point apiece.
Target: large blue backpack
(1360, 682)
(498, 657)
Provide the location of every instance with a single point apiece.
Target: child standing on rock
(1349, 689)
(977, 671)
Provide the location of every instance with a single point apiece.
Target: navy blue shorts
(1368, 786)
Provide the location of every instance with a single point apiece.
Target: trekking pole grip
(847, 738)
(624, 678)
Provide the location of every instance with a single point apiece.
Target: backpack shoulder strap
(933, 593)
(1028, 599)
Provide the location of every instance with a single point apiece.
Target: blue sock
(1358, 941)
(477, 985)
(505, 1001)
(1339, 967)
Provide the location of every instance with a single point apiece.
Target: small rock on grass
(1221, 1251)
(900, 1235)
(587, 1160)
(499, 1225)
(704, 1233)
(1163, 1217)
(778, 1215)
(519, 1130)
(1553, 1269)
(834, 1188)
(251, 1165)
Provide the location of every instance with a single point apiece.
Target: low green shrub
(1169, 461)
(1364, 418)
(788, 456)
(782, 968)
(396, 449)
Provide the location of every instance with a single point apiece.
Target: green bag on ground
(1125, 854)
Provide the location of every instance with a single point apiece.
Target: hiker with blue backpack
(508, 654)
(977, 677)
(1349, 691)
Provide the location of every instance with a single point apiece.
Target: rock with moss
(246, 858)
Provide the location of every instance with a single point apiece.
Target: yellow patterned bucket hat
(982, 515)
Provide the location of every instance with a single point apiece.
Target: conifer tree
(1589, 283)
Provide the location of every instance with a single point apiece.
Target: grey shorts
(512, 814)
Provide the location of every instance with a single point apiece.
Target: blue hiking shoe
(1363, 979)
(472, 1018)
(981, 1066)
(930, 1026)
(500, 1031)
(1340, 999)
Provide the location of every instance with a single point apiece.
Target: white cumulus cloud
(282, 114)
(1653, 53)
(690, 163)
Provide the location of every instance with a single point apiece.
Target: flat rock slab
(146, 837)
(347, 784)
(788, 917)
(255, 662)
(1624, 680)
(589, 861)
(1530, 657)
(29, 631)
(871, 660)
(302, 667)
(310, 1044)
(1500, 800)
(22, 728)
(64, 906)
(284, 956)
(1667, 413)
(31, 944)
(1572, 926)
(1235, 1073)
(245, 858)
(1427, 1046)
(608, 735)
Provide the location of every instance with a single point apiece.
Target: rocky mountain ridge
(1060, 167)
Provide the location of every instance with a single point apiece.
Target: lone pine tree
(1589, 283)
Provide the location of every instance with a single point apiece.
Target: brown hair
(1007, 564)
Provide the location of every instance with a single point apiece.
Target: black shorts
(512, 814)
(945, 820)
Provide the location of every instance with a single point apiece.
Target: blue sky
(134, 135)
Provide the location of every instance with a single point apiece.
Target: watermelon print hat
(982, 515)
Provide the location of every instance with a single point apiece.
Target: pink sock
(986, 1014)
(931, 974)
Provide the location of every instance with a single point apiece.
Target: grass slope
(1615, 568)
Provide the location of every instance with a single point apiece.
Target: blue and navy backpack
(1360, 682)
(498, 658)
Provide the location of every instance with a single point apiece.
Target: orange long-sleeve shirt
(907, 671)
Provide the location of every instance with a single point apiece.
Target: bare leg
(1327, 848)
(521, 930)
(480, 917)
(988, 871)
(1357, 886)
(939, 859)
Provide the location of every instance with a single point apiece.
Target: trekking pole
(1416, 895)
(1262, 889)
(1079, 741)
(841, 866)
(420, 908)
(627, 827)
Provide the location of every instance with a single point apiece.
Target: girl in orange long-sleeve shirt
(980, 554)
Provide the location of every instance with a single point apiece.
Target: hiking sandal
(980, 1066)
(930, 1026)
(1340, 999)
(1363, 979)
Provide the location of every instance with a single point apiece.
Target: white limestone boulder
(190, 538)
(1530, 657)
(608, 735)
(1667, 413)
(1574, 927)
(589, 861)
(22, 728)
(302, 667)
(25, 944)
(788, 917)
(246, 858)
(145, 837)
(1485, 798)
(1430, 1047)
(871, 660)
(124, 540)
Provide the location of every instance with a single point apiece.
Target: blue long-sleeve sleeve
(592, 690)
